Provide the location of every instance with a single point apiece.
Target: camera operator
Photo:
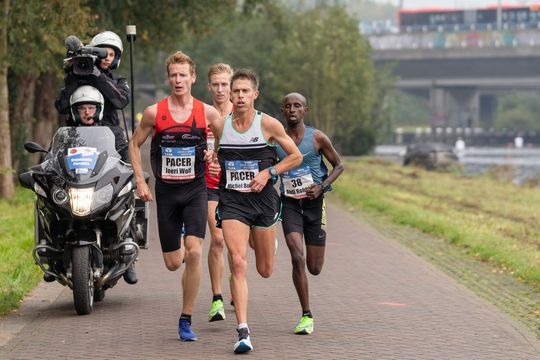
(114, 88)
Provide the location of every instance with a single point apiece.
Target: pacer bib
(297, 181)
(239, 174)
(178, 163)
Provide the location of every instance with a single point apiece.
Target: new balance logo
(254, 139)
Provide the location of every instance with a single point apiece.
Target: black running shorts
(307, 217)
(253, 209)
(213, 194)
(180, 204)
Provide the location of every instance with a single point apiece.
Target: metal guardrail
(471, 136)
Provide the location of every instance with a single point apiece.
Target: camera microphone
(73, 43)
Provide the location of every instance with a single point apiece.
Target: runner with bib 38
(304, 209)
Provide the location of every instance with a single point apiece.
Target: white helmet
(109, 39)
(86, 94)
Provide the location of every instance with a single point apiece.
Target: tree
(230, 47)
(317, 52)
(324, 57)
(518, 111)
(6, 178)
(163, 26)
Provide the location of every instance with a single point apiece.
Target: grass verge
(492, 220)
(18, 273)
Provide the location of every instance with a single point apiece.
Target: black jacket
(114, 89)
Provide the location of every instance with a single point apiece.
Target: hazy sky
(456, 3)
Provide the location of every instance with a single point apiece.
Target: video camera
(81, 58)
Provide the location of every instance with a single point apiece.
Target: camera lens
(83, 65)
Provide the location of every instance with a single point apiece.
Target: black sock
(307, 313)
(186, 317)
(217, 297)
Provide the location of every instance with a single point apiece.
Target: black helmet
(86, 94)
(109, 39)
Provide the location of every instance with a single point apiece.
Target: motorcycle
(89, 226)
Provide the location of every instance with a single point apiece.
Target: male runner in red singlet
(178, 153)
(219, 85)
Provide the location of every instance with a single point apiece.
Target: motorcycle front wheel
(83, 282)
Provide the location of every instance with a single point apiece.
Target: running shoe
(184, 331)
(217, 312)
(305, 326)
(244, 342)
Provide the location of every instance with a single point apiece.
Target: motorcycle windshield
(83, 152)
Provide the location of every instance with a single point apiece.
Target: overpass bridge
(461, 73)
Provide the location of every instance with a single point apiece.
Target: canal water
(521, 164)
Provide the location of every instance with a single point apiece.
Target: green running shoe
(305, 326)
(217, 312)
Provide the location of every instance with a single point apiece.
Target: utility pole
(131, 34)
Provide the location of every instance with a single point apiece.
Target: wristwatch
(272, 170)
(325, 188)
(273, 173)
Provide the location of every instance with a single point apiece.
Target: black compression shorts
(213, 194)
(182, 204)
(307, 217)
(253, 209)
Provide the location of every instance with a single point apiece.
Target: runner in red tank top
(178, 155)
(219, 85)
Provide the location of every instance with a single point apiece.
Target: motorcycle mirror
(26, 180)
(33, 147)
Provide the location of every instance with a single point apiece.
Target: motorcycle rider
(86, 106)
(87, 109)
(114, 88)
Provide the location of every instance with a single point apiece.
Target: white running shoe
(244, 342)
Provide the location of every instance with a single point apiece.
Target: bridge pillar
(456, 107)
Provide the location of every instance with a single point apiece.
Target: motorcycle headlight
(127, 188)
(103, 196)
(80, 200)
(39, 190)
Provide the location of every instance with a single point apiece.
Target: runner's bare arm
(215, 123)
(324, 145)
(139, 137)
(273, 131)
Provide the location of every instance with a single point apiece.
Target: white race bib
(178, 163)
(239, 174)
(210, 141)
(297, 181)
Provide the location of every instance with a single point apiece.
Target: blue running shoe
(244, 342)
(184, 330)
